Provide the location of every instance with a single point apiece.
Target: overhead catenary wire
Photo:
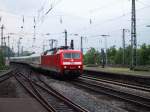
(103, 7)
(143, 3)
(113, 19)
(117, 18)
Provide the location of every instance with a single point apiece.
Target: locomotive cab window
(71, 55)
(75, 55)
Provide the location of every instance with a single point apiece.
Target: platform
(5, 72)
(123, 71)
(20, 105)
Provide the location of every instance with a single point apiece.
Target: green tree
(111, 53)
(118, 56)
(1, 58)
(92, 57)
(115, 56)
(148, 50)
(128, 55)
(7, 51)
(144, 55)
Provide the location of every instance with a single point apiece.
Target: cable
(53, 5)
(114, 19)
(143, 3)
(49, 10)
(99, 8)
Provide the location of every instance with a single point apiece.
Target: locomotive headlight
(79, 66)
(65, 66)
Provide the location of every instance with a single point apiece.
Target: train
(62, 61)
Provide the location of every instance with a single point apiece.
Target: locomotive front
(72, 63)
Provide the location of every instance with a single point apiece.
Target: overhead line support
(133, 37)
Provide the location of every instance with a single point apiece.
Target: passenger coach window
(72, 55)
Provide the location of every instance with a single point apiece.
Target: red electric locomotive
(63, 61)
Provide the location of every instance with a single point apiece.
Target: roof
(23, 57)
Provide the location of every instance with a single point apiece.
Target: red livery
(64, 62)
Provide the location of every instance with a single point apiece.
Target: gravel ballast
(86, 100)
(94, 102)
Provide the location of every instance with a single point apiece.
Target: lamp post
(123, 44)
(19, 46)
(105, 36)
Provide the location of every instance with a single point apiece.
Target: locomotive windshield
(72, 55)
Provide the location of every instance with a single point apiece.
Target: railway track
(103, 87)
(114, 82)
(6, 75)
(52, 100)
(127, 82)
(137, 80)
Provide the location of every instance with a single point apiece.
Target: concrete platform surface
(20, 105)
(3, 72)
(123, 71)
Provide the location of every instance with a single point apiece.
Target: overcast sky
(88, 18)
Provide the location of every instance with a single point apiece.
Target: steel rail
(117, 83)
(137, 80)
(100, 88)
(68, 101)
(35, 96)
(40, 96)
(55, 93)
(6, 76)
